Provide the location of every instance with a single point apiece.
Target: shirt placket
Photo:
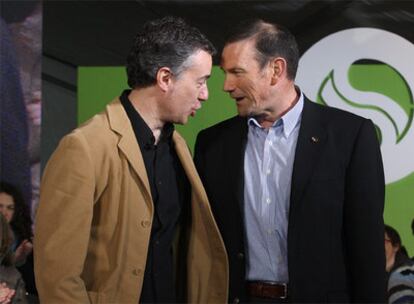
(279, 197)
(268, 200)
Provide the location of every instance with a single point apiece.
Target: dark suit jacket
(335, 231)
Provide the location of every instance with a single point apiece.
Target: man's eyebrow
(236, 69)
(205, 77)
(232, 70)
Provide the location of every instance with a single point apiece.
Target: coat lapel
(234, 158)
(119, 123)
(188, 165)
(311, 140)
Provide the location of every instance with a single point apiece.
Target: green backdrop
(99, 85)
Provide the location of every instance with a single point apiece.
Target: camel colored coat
(95, 214)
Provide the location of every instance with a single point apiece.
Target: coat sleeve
(63, 222)
(363, 218)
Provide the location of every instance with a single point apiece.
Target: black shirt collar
(142, 132)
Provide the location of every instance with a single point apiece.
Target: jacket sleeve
(63, 222)
(363, 218)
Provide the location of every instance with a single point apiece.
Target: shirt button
(145, 223)
(268, 171)
(269, 231)
(240, 256)
(270, 142)
(236, 300)
(268, 200)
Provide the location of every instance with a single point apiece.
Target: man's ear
(164, 78)
(278, 69)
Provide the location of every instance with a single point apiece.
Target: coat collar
(234, 157)
(120, 124)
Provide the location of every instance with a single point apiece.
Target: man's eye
(237, 72)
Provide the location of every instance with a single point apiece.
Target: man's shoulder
(400, 283)
(224, 127)
(94, 126)
(95, 132)
(331, 114)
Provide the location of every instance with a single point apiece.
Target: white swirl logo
(369, 72)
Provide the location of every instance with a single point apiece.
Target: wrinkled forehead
(239, 53)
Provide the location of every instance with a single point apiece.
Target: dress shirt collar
(287, 121)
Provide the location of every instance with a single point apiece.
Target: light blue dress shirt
(268, 164)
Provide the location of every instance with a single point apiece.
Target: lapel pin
(315, 139)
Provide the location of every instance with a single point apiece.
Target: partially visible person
(412, 229)
(10, 277)
(14, 156)
(122, 187)
(17, 214)
(400, 269)
(27, 38)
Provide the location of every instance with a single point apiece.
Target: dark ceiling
(96, 33)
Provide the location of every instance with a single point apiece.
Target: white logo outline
(335, 54)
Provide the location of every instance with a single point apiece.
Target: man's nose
(228, 85)
(203, 96)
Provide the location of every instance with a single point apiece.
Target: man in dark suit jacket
(297, 189)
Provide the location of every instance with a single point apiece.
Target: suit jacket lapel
(119, 123)
(234, 158)
(311, 140)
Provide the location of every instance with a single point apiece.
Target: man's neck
(283, 104)
(146, 105)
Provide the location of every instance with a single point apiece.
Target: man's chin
(182, 121)
(242, 112)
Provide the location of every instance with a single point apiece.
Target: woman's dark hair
(393, 236)
(401, 255)
(21, 222)
(166, 42)
(6, 240)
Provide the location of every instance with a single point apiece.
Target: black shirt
(168, 189)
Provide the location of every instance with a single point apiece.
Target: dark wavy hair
(401, 255)
(272, 40)
(6, 240)
(21, 222)
(166, 42)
